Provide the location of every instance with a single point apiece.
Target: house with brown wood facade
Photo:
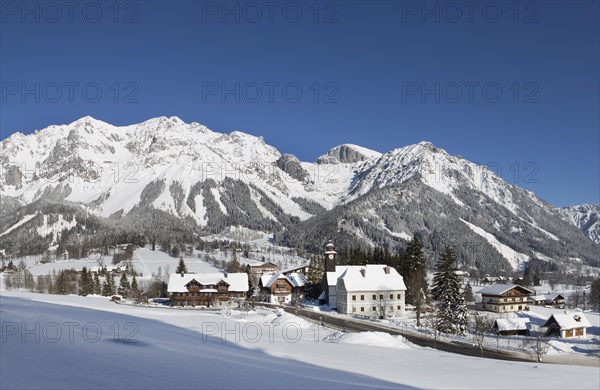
(512, 326)
(280, 288)
(566, 325)
(264, 268)
(503, 298)
(555, 300)
(209, 290)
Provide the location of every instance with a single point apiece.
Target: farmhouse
(373, 290)
(493, 279)
(512, 326)
(208, 290)
(502, 298)
(566, 325)
(264, 268)
(554, 300)
(280, 288)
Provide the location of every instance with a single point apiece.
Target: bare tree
(481, 330)
(433, 322)
(536, 348)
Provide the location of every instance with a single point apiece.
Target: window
(354, 297)
(353, 309)
(362, 297)
(398, 296)
(374, 308)
(399, 307)
(362, 309)
(381, 296)
(391, 296)
(374, 297)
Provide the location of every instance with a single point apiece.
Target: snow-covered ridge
(586, 217)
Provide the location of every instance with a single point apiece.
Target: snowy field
(89, 342)
(148, 262)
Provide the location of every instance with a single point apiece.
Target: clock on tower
(330, 257)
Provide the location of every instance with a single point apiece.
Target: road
(350, 324)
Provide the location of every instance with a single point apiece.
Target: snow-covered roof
(512, 324)
(266, 264)
(295, 279)
(371, 277)
(569, 320)
(332, 277)
(547, 297)
(499, 289)
(238, 282)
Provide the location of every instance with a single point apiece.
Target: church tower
(330, 257)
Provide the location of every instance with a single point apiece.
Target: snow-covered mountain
(165, 179)
(586, 217)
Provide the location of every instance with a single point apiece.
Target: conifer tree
(62, 287)
(415, 276)
(452, 311)
(181, 268)
(468, 293)
(84, 283)
(135, 290)
(106, 287)
(97, 287)
(526, 282)
(124, 286)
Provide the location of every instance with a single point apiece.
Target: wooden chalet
(555, 300)
(264, 268)
(280, 288)
(209, 290)
(566, 325)
(493, 280)
(502, 298)
(512, 326)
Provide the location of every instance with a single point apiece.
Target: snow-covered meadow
(91, 342)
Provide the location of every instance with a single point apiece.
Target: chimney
(387, 269)
(363, 272)
(225, 273)
(182, 274)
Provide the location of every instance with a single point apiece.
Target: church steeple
(330, 257)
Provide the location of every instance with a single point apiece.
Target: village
(498, 315)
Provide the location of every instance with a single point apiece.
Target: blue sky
(514, 85)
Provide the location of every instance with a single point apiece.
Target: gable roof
(548, 297)
(332, 277)
(504, 324)
(265, 264)
(568, 320)
(499, 289)
(374, 278)
(295, 279)
(238, 282)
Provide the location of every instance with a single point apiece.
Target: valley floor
(51, 341)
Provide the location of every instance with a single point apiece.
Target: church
(372, 290)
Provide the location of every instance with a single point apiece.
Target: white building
(374, 290)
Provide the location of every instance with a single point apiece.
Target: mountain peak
(348, 154)
(87, 120)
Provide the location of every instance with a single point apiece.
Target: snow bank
(374, 339)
